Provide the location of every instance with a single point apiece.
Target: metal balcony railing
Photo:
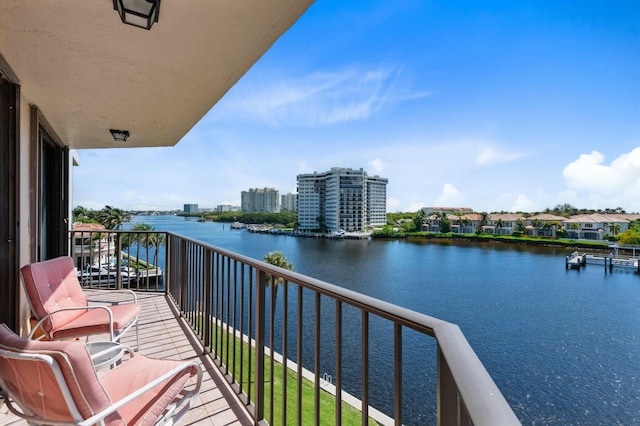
(275, 333)
(119, 259)
(232, 303)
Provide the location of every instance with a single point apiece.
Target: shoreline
(508, 239)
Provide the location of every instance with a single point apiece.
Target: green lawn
(350, 415)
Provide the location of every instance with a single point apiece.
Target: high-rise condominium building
(288, 202)
(260, 200)
(191, 208)
(341, 199)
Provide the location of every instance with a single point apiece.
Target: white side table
(105, 353)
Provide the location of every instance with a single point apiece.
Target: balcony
(163, 334)
(242, 318)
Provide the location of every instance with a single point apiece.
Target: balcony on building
(73, 76)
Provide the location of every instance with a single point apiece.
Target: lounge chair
(61, 308)
(54, 382)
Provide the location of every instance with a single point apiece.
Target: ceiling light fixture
(139, 13)
(119, 135)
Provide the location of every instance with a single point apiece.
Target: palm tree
(322, 224)
(574, 226)
(277, 258)
(80, 214)
(113, 218)
(149, 237)
(444, 224)
(614, 228)
(484, 217)
(464, 223)
(538, 224)
(418, 220)
(499, 225)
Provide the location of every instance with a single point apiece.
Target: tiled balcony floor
(164, 335)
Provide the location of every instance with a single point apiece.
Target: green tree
(418, 220)
(276, 258)
(630, 236)
(565, 210)
(444, 224)
(84, 215)
(322, 224)
(464, 222)
(409, 226)
(575, 227)
(499, 224)
(484, 218)
(149, 237)
(520, 226)
(113, 218)
(614, 228)
(80, 214)
(538, 224)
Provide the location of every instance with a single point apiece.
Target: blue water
(562, 345)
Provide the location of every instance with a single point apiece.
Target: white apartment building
(341, 199)
(227, 208)
(191, 208)
(260, 200)
(288, 202)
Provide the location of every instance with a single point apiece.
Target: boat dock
(577, 260)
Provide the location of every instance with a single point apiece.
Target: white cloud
(523, 204)
(590, 173)
(414, 207)
(321, 98)
(376, 167)
(590, 180)
(449, 197)
(393, 204)
(492, 154)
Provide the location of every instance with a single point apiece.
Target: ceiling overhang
(87, 72)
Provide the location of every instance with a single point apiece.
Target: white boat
(94, 275)
(237, 225)
(104, 275)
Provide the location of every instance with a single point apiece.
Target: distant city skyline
(500, 106)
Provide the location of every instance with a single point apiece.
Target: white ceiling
(88, 72)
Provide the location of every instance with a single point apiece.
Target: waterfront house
(74, 76)
(431, 223)
(543, 225)
(462, 219)
(92, 245)
(466, 223)
(502, 223)
(597, 226)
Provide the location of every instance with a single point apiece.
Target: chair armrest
(140, 391)
(116, 347)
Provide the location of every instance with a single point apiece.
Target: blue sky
(493, 105)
